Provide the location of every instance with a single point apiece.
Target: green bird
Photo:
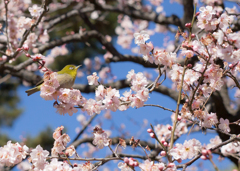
(66, 78)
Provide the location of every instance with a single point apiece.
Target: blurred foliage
(9, 110)
(44, 138)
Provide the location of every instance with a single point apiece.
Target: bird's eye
(71, 68)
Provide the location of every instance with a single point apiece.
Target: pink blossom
(224, 125)
(35, 11)
(63, 108)
(84, 167)
(100, 140)
(131, 75)
(124, 167)
(70, 150)
(209, 120)
(65, 93)
(92, 107)
(93, 79)
(141, 37)
(146, 48)
(38, 156)
(47, 92)
(214, 141)
(74, 96)
(12, 154)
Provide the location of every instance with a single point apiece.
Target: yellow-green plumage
(66, 78)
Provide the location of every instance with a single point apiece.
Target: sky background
(39, 114)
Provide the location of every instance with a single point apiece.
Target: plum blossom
(209, 120)
(84, 167)
(60, 144)
(224, 125)
(38, 156)
(187, 150)
(141, 38)
(150, 166)
(111, 100)
(100, 138)
(214, 141)
(12, 154)
(124, 167)
(93, 79)
(92, 107)
(35, 11)
(230, 149)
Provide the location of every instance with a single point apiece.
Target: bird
(66, 78)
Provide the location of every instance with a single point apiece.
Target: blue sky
(39, 114)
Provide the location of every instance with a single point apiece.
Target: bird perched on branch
(66, 78)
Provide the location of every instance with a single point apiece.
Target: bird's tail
(33, 90)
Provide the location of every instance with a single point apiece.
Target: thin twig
(164, 108)
(178, 103)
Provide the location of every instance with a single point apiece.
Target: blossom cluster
(187, 150)
(12, 153)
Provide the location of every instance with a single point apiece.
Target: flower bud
(189, 65)
(149, 130)
(204, 152)
(163, 153)
(152, 135)
(169, 128)
(204, 157)
(179, 160)
(19, 49)
(126, 160)
(163, 140)
(170, 165)
(135, 163)
(165, 144)
(188, 25)
(197, 13)
(27, 55)
(179, 118)
(193, 35)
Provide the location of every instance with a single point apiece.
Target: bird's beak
(78, 66)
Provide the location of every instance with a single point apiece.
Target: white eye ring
(71, 68)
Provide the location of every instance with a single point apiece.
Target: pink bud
(209, 152)
(160, 167)
(193, 35)
(27, 55)
(204, 152)
(163, 140)
(163, 153)
(230, 65)
(179, 160)
(189, 65)
(197, 13)
(25, 47)
(169, 128)
(75, 165)
(149, 130)
(165, 144)
(19, 49)
(131, 163)
(152, 135)
(188, 25)
(171, 165)
(186, 100)
(135, 164)
(179, 118)
(126, 160)
(204, 157)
